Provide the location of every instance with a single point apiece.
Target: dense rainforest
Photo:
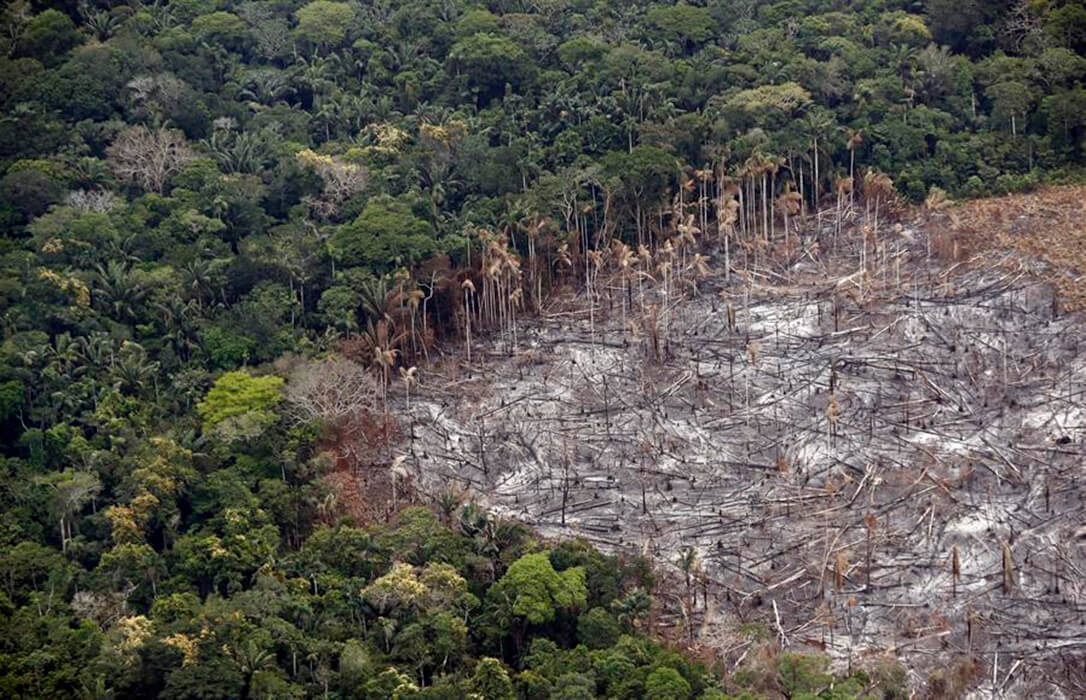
(205, 200)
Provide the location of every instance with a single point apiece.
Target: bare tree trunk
(852, 176)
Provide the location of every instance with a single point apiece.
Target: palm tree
(376, 299)
(409, 377)
(161, 13)
(516, 301)
(700, 267)
(64, 358)
(397, 470)
(936, 66)
(625, 259)
(689, 564)
(902, 57)
(704, 176)
(414, 298)
(729, 212)
(118, 291)
(816, 123)
(644, 259)
(265, 87)
(435, 278)
(313, 75)
(131, 369)
(666, 258)
(533, 227)
(181, 332)
(688, 234)
(595, 261)
(748, 171)
(326, 112)
(855, 140)
(877, 186)
(842, 186)
(384, 358)
(773, 166)
(90, 173)
(632, 607)
(97, 349)
(101, 23)
(250, 659)
(447, 502)
(198, 279)
(469, 290)
(790, 204)
(241, 152)
(767, 168)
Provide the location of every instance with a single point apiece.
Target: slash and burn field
(869, 458)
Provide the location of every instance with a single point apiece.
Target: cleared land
(868, 458)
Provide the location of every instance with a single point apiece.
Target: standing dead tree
(149, 157)
(331, 390)
(340, 181)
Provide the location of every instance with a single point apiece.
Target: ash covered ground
(830, 442)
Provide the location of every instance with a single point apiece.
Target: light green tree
(683, 23)
(537, 592)
(240, 405)
(323, 22)
(237, 393)
(491, 680)
(222, 28)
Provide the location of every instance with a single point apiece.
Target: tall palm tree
(415, 297)
(326, 114)
(855, 140)
(816, 124)
(704, 177)
(632, 607)
(533, 227)
(241, 152)
(689, 563)
(178, 320)
(265, 87)
(250, 659)
(118, 291)
(409, 377)
(902, 58)
(790, 204)
(843, 186)
(199, 279)
(625, 260)
(384, 358)
(469, 291)
(101, 23)
(314, 75)
(877, 188)
(131, 369)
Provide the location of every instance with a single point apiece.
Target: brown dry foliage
(1048, 225)
(953, 681)
(360, 480)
